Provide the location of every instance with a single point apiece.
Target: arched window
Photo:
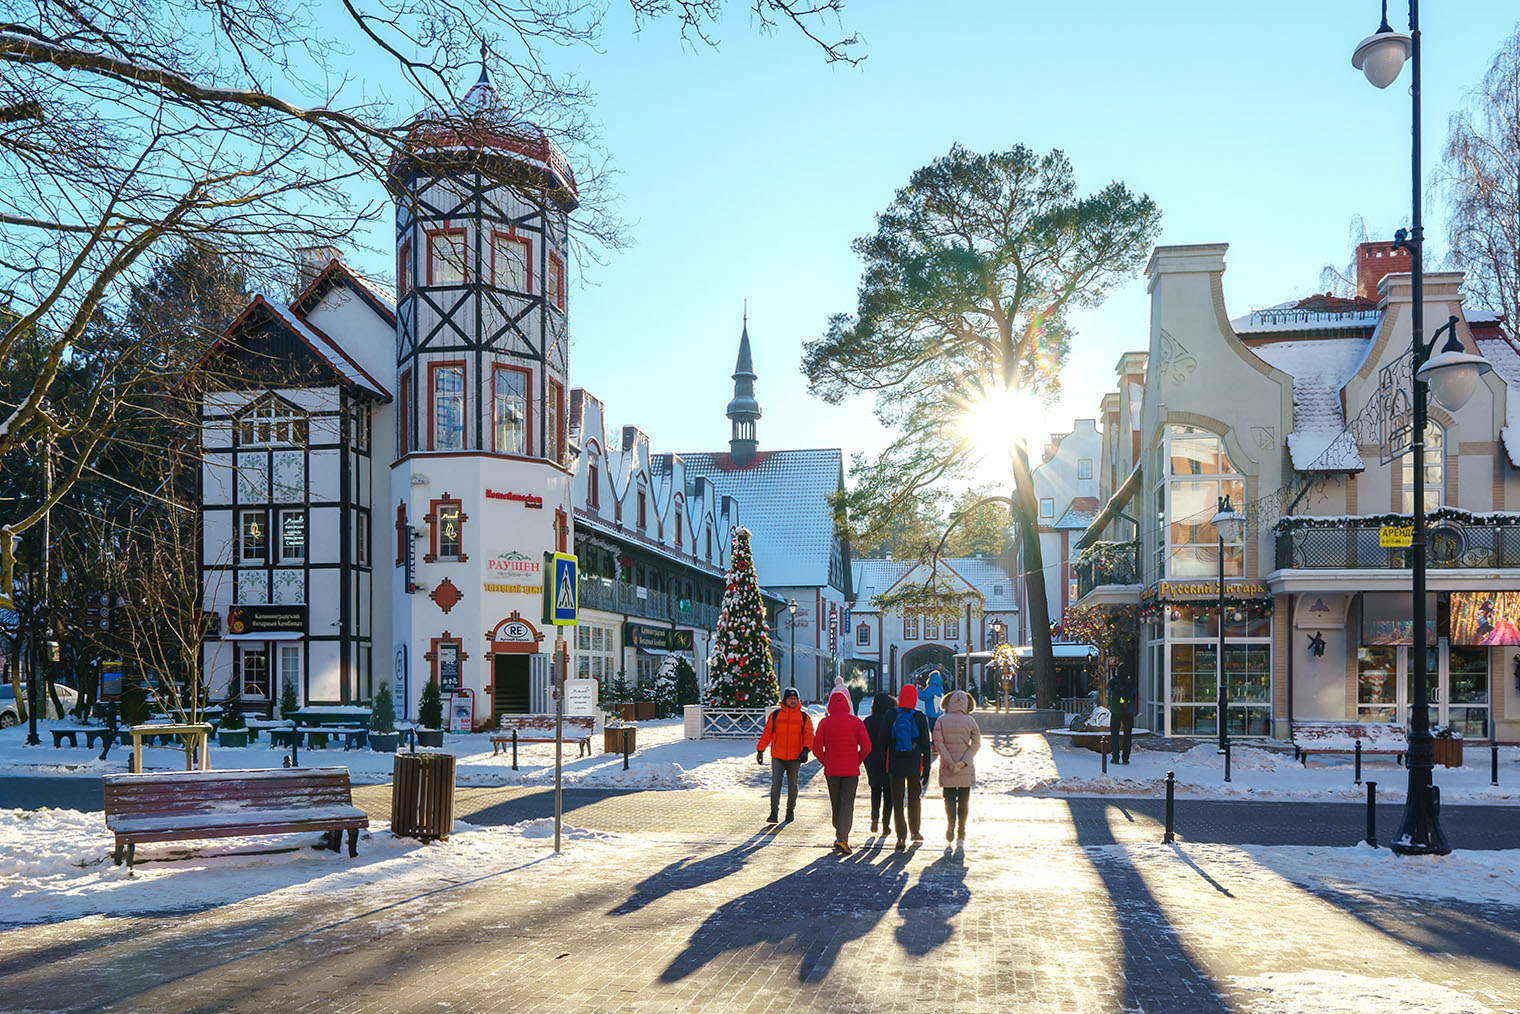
(1199, 472)
(1435, 470)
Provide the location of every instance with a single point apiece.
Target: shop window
(511, 257)
(509, 409)
(910, 628)
(554, 280)
(292, 536)
(254, 537)
(1435, 471)
(862, 634)
(255, 672)
(446, 257)
(446, 392)
(446, 524)
(290, 667)
(1377, 683)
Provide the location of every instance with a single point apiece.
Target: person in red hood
(840, 744)
(908, 760)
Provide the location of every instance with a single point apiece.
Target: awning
(269, 635)
(1115, 504)
(664, 651)
(1060, 651)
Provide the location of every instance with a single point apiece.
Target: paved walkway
(1041, 912)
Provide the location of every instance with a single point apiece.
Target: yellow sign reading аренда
(1396, 536)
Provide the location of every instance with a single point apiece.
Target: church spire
(743, 410)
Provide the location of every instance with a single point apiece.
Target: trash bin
(619, 739)
(422, 795)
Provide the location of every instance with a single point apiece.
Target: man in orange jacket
(789, 733)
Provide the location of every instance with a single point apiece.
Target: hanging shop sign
(1179, 591)
(532, 500)
(652, 638)
(266, 619)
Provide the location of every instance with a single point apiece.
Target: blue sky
(746, 171)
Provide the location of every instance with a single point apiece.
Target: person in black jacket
(1121, 706)
(879, 728)
(908, 769)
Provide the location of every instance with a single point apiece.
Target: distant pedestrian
(934, 695)
(957, 738)
(1121, 707)
(908, 765)
(788, 732)
(841, 745)
(879, 728)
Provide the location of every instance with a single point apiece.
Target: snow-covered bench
(186, 805)
(90, 732)
(540, 729)
(353, 735)
(1343, 737)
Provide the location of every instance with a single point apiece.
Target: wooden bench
(91, 734)
(256, 725)
(187, 805)
(1343, 737)
(540, 729)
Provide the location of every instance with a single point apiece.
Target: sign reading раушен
(266, 619)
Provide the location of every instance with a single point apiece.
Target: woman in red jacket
(841, 743)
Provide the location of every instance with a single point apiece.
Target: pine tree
(743, 673)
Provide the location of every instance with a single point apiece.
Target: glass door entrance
(1456, 686)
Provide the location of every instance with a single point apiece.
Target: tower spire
(743, 410)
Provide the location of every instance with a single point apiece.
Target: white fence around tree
(703, 722)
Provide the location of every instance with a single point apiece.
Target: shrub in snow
(232, 716)
(382, 715)
(675, 686)
(430, 706)
(288, 701)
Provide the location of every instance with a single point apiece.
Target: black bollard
(1372, 814)
(1171, 783)
(627, 748)
(1358, 761)
(413, 732)
(514, 749)
(1493, 763)
(1103, 743)
(1227, 745)
(295, 746)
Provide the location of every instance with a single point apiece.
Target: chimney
(1376, 261)
(311, 261)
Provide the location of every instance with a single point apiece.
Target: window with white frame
(271, 423)
(1084, 468)
(253, 530)
(255, 673)
(910, 627)
(1435, 470)
(596, 651)
(1047, 508)
(862, 634)
(1199, 473)
(509, 409)
(448, 406)
(290, 667)
(292, 536)
(446, 253)
(511, 256)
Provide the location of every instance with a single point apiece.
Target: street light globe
(1230, 526)
(1381, 56)
(1453, 375)
(791, 607)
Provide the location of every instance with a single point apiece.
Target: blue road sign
(566, 600)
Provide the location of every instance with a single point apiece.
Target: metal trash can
(422, 795)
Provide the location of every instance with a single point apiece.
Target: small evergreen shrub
(382, 716)
(430, 707)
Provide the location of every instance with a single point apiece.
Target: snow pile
(56, 864)
(1336, 992)
(1242, 758)
(1505, 360)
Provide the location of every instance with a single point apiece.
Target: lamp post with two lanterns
(1452, 376)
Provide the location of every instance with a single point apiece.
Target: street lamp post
(791, 610)
(1230, 527)
(999, 628)
(1452, 374)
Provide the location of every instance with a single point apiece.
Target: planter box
(232, 737)
(384, 742)
(619, 739)
(638, 711)
(1448, 752)
(430, 737)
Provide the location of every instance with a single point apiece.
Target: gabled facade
(1066, 486)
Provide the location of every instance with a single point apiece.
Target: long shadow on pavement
(819, 909)
(1157, 966)
(929, 905)
(686, 873)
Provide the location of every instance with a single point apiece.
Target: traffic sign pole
(559, 734)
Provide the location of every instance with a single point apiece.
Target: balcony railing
(1108, 563)
(636, 600)
(1454, 539)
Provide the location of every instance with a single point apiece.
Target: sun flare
(991, 422)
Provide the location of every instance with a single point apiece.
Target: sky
(746, 170)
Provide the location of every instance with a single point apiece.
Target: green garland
(1440, 514)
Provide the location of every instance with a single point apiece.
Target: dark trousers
(956, 801)
(789, 768)
(905, 792)
(881, 802)
(842, 803)
(1123, 736)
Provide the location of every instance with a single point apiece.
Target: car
(10, 714)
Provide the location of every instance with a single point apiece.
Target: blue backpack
(904, 730)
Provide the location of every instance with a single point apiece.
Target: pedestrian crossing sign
(564, 590)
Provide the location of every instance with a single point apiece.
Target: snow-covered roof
(784, 502)
(1505, 359)
(870, 578)
(1291, 317)
(874, 577)
(1320, 367)
(328, 349)
(1079, 513)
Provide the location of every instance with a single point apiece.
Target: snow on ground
(1034, 764)
(56, 864)
(1336, 992)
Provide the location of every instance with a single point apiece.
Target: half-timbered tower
(480, 481)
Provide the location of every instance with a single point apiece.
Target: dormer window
(272, 423)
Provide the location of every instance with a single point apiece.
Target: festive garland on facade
(1440, 514)
(1240, 609)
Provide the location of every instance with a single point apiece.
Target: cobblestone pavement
(1042, 911)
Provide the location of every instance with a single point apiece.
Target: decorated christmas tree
(742, 672)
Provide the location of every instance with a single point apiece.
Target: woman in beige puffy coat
(957, 738)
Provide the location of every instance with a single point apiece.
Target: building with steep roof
(1066, 490)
